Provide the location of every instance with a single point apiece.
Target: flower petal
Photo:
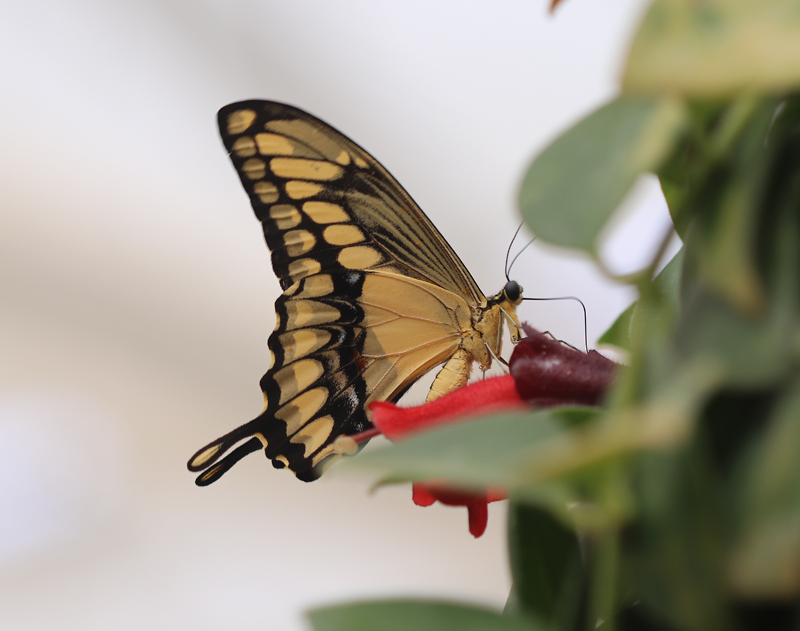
(487, 395)
(426, 493)
(421, 495)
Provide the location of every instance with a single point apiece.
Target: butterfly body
(373, 296)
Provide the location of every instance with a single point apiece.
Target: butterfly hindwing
(373, 296)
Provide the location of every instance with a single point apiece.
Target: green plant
(677, 505)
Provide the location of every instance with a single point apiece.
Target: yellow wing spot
(360, 162)
(314, 435)
(317, 286)
(345, 446)
(323, 454)
(298, 242)
(254, 168)
(277, 322)
(285, 216)
(303, 267)
(303, 408)
(240, 120)
(244, 147)
(300, 168)
(209, 473)
(274, 145)
(300, 343)
(359, 257)
(262, 438)
(283, 460)
(296, 377)
(291, 290)
(298, 189)
(204, 456)
(342, 446)
(271, 361)
(325, 212)
(303, 313)
(267, 192)
(343, 234)
(343, 158)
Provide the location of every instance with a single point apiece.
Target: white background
(136, 292)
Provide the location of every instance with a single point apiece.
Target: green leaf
(575, 184)
(496, 451)
(766, 559)
(667, 286)
(755, 351)
(675, 557)
(619, 333)
(546, 565)
(664, 302)
(416, 615)
(727, 205)
(715, 48)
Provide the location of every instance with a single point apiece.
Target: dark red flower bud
(549, 373)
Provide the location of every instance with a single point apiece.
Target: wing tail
(207, 459)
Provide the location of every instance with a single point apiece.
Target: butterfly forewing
(373, 295)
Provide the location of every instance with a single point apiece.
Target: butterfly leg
(454, 374)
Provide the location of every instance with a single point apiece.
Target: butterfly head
(504, 305)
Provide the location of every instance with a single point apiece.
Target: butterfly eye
(512, 290)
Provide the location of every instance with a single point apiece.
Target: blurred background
(136, 290)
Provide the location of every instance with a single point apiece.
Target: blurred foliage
(419, 615)
(677, 506)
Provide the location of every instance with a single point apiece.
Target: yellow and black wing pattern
(373, 296)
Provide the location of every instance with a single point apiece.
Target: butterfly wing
(373, 296)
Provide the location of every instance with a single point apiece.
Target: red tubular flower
(544, 373)
(495, 394)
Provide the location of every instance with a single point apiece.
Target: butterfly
(373, 296)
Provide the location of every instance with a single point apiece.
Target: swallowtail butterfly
(373, 296)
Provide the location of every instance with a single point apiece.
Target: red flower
(482, 397)
(495, 394)
(544, 372)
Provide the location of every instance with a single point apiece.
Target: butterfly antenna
(508, 252)
(517, 256)
(583, 306)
